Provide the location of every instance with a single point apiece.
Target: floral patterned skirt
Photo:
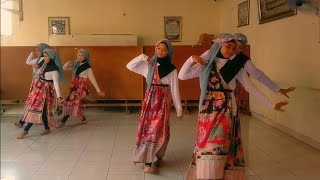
(218, 153)
(41, 93)
(153, 131)
(75, 103)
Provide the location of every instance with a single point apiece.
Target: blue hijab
(242, 38)
(41, 47)
(77, 62)
(206, 69)
(54, 56)
(154, 59)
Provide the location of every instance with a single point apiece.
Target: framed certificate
(172, 28)
(59, 26)
(243, 13)
(274, 10)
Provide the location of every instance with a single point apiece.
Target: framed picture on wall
(243, 13)
(59, 26)
(274, 10)
(172, 28)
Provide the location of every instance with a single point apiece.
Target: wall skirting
(288, 131)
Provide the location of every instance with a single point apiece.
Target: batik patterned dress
(41, 96)
(218, 153)
(153, 131)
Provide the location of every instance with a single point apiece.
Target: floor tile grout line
(176, 162)
(95, 127)
(26, 147)
(278, 162)
(114, 142)
(289, 170)
(50, 154)
(261, 148)
(25, 150)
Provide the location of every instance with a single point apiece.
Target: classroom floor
(103, 149)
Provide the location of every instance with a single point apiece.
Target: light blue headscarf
(205, 71)
(56, 58)
(242, 38)
(153, 61)
(77, 62)
(41, 47)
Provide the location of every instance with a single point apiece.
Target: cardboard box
(205, 39)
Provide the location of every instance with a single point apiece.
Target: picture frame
(274, 10)
(173, 28)
(243, 13)
(59, 25)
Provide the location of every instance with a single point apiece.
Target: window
(6, 18)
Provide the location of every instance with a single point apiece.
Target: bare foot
(22, 135)
(61, 124)
(158, 162)
(148, 169)
(47, 131)
(18, 125)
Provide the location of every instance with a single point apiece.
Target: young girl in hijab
(36, 61)
(243, 61)
(219, 153)
(40, 100)
(75, 103)
(154, 130)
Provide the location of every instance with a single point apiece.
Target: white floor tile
(34, 155)
(49, 177)
(102, 156)
(95, 176)
(127, 177)
(103, 149)
(64, 156)
(63, 168)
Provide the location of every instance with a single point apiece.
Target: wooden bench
(111, 103)
(91, 103)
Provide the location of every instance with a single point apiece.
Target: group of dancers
(218, 152)
(47, 73)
